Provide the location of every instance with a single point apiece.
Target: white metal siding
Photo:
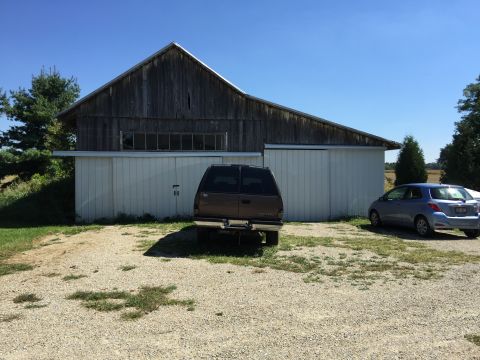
(357, 179)
(303, 178)
(254, 160)
(327, 184)
(315, 184)
(93, 188)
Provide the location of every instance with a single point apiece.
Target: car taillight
(434, 207)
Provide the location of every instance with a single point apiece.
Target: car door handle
(245, 201)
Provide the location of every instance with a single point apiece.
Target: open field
(330, 290)
(433, 177)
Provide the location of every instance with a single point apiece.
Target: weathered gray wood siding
(174, 93)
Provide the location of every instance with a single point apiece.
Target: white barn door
(144, 186)
(304, 180)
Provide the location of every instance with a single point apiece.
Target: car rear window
(258, 182)
(222, 180)
(450, 193)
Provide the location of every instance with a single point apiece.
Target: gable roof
(388, 143)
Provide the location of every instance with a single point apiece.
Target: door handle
(245, 201)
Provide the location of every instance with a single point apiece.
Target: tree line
(25, 148)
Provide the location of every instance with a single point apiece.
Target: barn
(145, 138)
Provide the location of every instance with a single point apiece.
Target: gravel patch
(268, 314)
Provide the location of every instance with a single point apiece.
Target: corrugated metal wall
(315, 184)
(327, 184)
(93, 188)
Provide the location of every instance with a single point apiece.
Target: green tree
(35, 109)
(410, 167)
(461, 158)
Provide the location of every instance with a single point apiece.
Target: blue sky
(391, 68)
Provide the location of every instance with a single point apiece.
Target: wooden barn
(145, 138)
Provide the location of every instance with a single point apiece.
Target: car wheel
(272, 238)
(422, 226)
(375, 219)
(472, 233)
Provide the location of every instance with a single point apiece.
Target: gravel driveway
(240, 311)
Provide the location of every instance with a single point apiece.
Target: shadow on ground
(184, 243)
(410, 234)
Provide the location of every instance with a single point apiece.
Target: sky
(390, 68)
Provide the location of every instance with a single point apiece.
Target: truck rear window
(450, 193)
(222, 180)
(258, 182)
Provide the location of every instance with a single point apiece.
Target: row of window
(173, 141)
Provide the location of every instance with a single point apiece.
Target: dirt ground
(240, 311)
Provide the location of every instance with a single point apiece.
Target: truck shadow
(410, 234)
(184, 244)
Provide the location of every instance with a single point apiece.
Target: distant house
(145, 138)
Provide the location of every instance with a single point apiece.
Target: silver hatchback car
(428, 207)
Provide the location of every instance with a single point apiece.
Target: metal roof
(392, 144)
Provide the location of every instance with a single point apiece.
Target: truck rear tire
(272, 238)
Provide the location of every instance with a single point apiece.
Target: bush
(410, 167)
(42, 200)
(24, 163)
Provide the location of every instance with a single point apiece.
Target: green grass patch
(6, 269)
(473, 339)
(146, 300)
(127, 267)
(28, 297)
(389, 258)
(34, 306)
(73, 277)
(52, 274)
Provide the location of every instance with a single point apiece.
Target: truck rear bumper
(238, 224)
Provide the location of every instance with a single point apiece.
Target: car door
(218, 196)
(391, 207)
(411, 205)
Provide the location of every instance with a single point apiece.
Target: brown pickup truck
(238, 198)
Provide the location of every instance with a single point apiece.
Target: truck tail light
(434, 207)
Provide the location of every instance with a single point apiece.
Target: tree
(461, 158)
(410, 167)
(35, 110)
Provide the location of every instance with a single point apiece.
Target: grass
(6, 269)
(127, 267)
(27, 297)
(362, 261)
(10, 317)
(73, 277)
(473, 339)
(34, 306)
(146, 300)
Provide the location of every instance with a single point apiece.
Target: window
(413, 193)
(222, 180)
(139, 141)
(450, 193)
(151, 141)
(209, 142)
(396, 194)
(163, 142)
(187, 142)
(198, 142)
(258, 182)
(127, 141)
(173, 141)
